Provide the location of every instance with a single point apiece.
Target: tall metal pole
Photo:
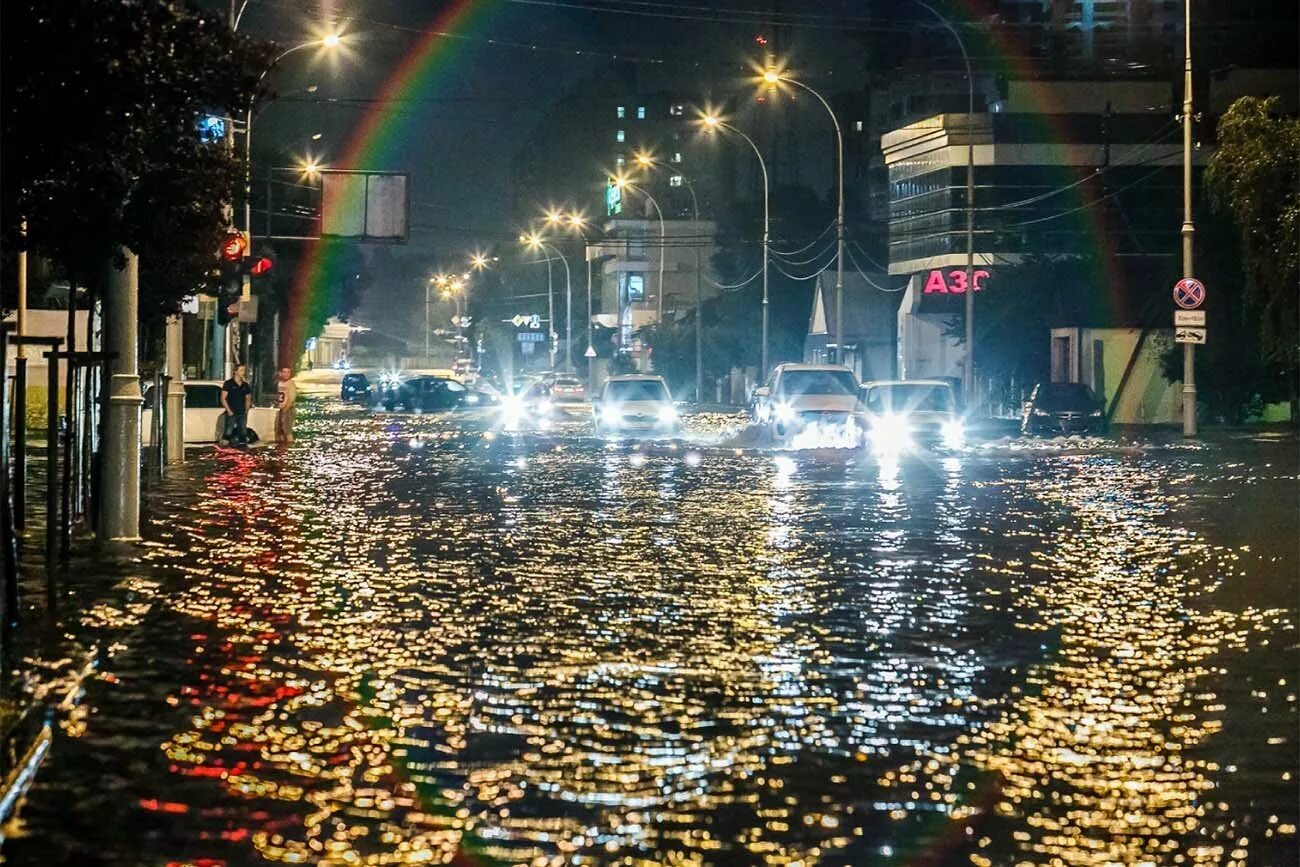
(762, 371)
(591, 350)
(550, 313)
(22, 288)
(699, 300)
(568, 290)
(120, 504)
(1189, 231)
(427, 290)
(968, 371)
(839, 221)
(568, 319)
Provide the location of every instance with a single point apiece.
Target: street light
(535, 241)
(713, 123)
(775, 77)
(625, 183)
(647, 161)
(330, 41)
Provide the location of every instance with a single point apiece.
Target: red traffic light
(233, 246)
(260, 266)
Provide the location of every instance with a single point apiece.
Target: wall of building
(1098, 357)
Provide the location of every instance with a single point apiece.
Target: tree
(101, 144)
(1254, 177)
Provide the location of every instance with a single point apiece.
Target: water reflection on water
(407, 643)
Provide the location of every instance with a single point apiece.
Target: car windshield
(1065, 396)
(636, 389)
(910, 398)
(355, 379)
(567, 383)
(796, 383)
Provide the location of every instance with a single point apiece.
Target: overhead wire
(729, 286)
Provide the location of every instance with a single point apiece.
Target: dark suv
(426, 394)
(355, 389)
(1062, 408)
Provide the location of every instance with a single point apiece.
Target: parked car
(898, 414)
(798, 397)
(635, 404)
(1062, 408)
(568, 389)
(355, 388)
(204, 417)
(425, 394)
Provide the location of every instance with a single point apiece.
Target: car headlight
(783, 412)
(1096, 413)
(667, 415)
(1041, 413)
(512, 409)
(610, 415)
(471, 398)
(890, 433)
(954, 434)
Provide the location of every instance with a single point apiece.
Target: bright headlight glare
(889, 434)
(668, 414)
(471, 398)
(610, 415)
(954, 434)
(783, 412)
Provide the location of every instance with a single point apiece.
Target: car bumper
(1055, 425)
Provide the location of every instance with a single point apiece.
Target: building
(649, 272)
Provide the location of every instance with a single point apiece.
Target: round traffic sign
(1189, 293)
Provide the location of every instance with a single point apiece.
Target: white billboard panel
(365, 206)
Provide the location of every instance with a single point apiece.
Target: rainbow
(375, 144)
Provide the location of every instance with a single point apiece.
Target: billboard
(372, 207)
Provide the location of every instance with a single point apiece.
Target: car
(568, 389)
(204, 417)
(424, 394)
(355, 388)
(1062, 408)
(800, 398)
(899, 414)
(635, 404)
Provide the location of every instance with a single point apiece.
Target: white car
(204, 417)
(900, 414)
(817, 400)
(635, 404)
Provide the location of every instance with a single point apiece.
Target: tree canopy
(101, 142)
(1254, 176)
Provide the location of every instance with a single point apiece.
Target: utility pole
(120, 503)
(1189, 231)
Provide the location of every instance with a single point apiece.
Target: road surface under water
(415, 640)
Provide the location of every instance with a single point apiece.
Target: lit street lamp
(775, 77)
(713, 122)
(625, 183)
(534, 241)
(647, 161)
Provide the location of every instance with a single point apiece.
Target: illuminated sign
(952, 282)
(613, 199)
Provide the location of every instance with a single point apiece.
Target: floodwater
(413, 640)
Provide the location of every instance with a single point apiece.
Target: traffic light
(230, 287)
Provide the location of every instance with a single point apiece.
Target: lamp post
(648, 162)
(535, 241)
(713, 122)
(624, 183)
(968, 372)
(773, 77)
(1188, 230)
(440, 281)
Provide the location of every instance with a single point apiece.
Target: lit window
(857, 126)
(622, 112)
(620, 162)
(677, 109)
(640, 112)
(620, 136)
(677, 156)
(675, 181)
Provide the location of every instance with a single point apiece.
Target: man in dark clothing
(236, 400)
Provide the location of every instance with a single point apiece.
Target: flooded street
(418, 640)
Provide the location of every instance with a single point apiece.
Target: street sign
(1192, 318)
(591, 352)
(1189, 335)
(1189, 293)
(517, 320)
(530, 337)
(532, 320)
